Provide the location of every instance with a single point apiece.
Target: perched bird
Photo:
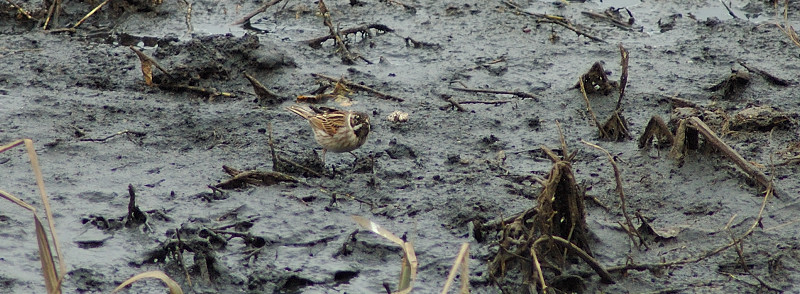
(336, 130)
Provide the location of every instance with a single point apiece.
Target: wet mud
(484, 84)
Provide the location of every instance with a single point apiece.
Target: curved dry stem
(618, 178)
(752, 228)
(605, 277)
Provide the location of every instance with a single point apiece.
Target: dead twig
(651, 266)
(566, 23)
(365, 29)
(188, 17)
(680, 102)
(728, 9)
(605, 276)
(606, 17)
(769, 77)
(498, 102)
(135, 216)
(347, 56)
(734, 156)
(786, 28)
(261, 9)
(51, 275)
(90, 14)
(739, 248)
(453, 103)
(460, 264)
(546, 18)
(253, 177)
(360, 87)
(621, 192)
(276, 159)
(421, 44)
(210, 92)
(515, 93)
(265, 96)
(52, 14)
(623, 79)
(135, 133)
(20, 9)
(603, 133)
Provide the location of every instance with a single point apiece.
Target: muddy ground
(430, 179)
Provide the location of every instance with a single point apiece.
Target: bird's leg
(323, 155)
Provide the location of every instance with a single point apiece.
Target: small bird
(336, 130)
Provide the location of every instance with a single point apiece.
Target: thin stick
(770, 78)
(308, 170)
(256, 12)
(317, 42)
(188, 17)
(485, 102)
(569, 26)
(623, 80)
(347, 56)
(538, 267)
(650, 266)
(734, 156)
(605, 276)
(359, 87)
(52, 13)
(89, 14)
(20, 9)
(614, 21)
(728, 9)
(603, 133)
(551, 19)
(271, 146)
(515, 93)
(680, 102)
(276, 158)
(455, 104)
(135, 133)
(740, 252)
(621, 192)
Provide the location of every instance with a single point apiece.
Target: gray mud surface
(430, 179)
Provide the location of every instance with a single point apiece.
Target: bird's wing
(329, 122)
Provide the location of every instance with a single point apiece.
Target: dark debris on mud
(486, 128)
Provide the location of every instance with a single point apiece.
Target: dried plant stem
(515, 93)
(52, 277)
(649, 266)
(358, 87)
(256, 12)
(48, 211)
(617, 176)
(605, 276)
(77, 24)
(460, 262)
(603, 133)
(734, 156)
(25, 13)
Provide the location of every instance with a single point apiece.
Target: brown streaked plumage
(335, 130)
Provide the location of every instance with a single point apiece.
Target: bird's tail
(301, 111)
